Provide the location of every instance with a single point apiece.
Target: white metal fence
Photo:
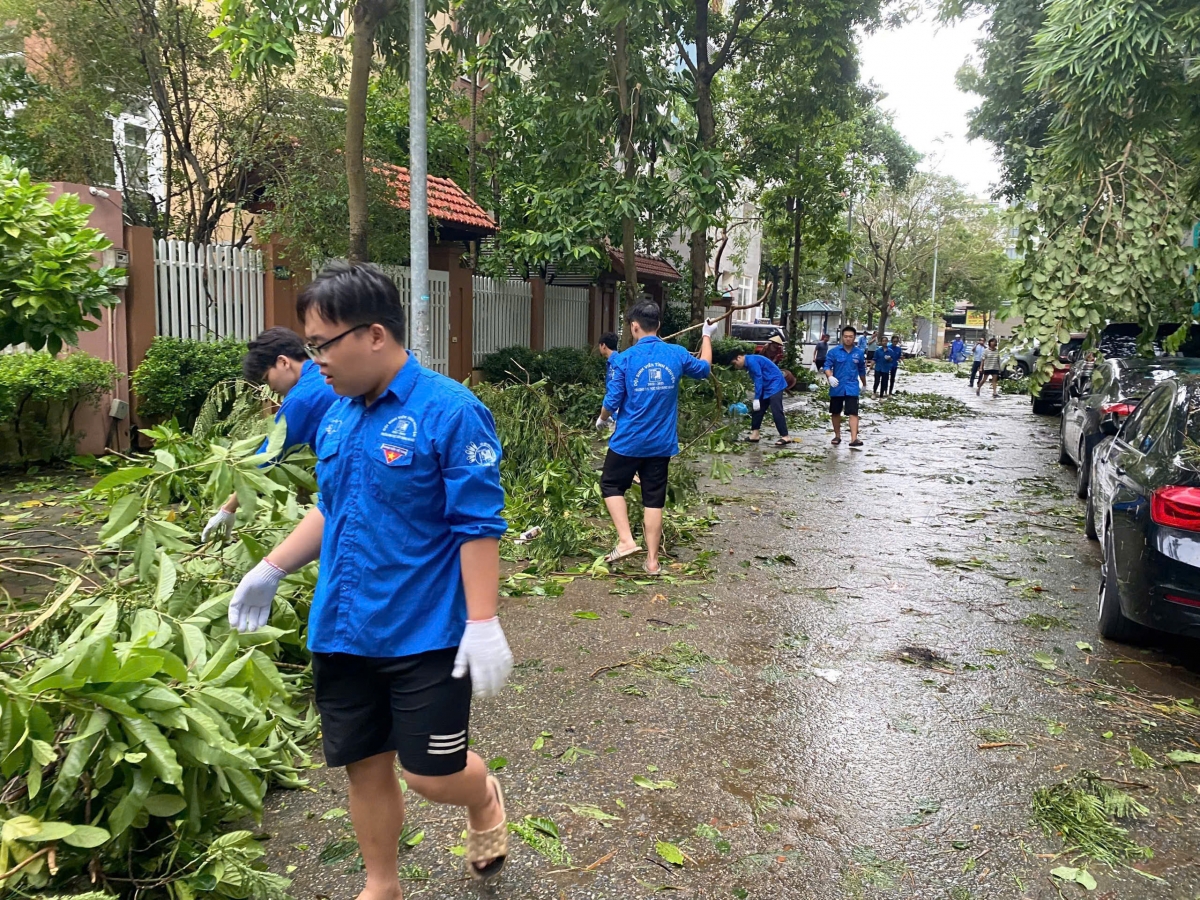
(207, 291)
(501, 315)
(566, 316)
(439, 310)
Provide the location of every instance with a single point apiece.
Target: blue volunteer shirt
(404, 483)
(645, 388)
(847, 366)
(768, 380)
(885, 359)
(610, 370)
(304, 407)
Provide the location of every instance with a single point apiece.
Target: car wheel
(1113, 624)
(1064, 458)
(1022, 370)
(1083, 471)
(1089, 518)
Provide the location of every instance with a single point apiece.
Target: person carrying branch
(769, 386)
(645, 388)
(403, 626)
(276, 357)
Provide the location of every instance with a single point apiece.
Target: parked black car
(1119, 340)
(1144, 506)
(756, 333)
(1111, 389)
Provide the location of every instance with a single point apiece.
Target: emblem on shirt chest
(654, 377)
(393, 454)
(400, 428)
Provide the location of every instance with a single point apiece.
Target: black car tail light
(1121, 408)
(1176, 507)
(1183, 601)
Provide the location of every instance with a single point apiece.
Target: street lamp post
(933, 294)
(418, 207)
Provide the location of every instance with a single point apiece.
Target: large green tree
(1093, 106)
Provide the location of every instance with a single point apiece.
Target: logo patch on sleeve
(393, 454)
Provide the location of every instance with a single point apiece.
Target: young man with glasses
(280, 359)
(403, 625)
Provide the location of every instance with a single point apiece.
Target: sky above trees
(915, 65)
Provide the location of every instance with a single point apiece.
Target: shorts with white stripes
(409, 704)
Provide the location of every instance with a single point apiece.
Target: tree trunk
(796, 247)
(629, 154)
(366, 17)
(784, 310)
(707, 132)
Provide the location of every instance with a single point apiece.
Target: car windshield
(1120, 340)
(1136, 382)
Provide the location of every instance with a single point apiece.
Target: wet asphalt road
(809, 723)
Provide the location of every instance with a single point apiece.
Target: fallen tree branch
(54, 607)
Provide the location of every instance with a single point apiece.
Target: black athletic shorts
(409, 704)
(618, 476)
(848, 405)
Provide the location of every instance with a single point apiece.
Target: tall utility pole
(933, 294)
(849, 262)
(418, 198)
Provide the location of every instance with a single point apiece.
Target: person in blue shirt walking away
(845, 369)
(885, 364)
(897, 358)
(277, 358)
(403, 626)
(645, 388)
(769, 385)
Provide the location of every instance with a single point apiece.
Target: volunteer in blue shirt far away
(407, 526)
(769, 385)
(845, 368)
(885, 364)
(645, 388)
(277, 358)
(607, 346)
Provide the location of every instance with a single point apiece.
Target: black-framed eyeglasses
(317, 351)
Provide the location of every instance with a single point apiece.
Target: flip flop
(782, 442)
(657, 572)
(856, 445)
(490, 845)
(751, 440)
(617, 554)
(836, 440)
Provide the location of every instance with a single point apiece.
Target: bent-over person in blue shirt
(845, 368)
(769, 385)
(403, 624)
(645, 388)
(276, 357)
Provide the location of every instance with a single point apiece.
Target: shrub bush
(39, 395)
(726, 349)
(175, 377)
(569, 365)
(507, 365)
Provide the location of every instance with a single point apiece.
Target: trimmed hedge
(559, 366)
(39, 394)
(175, 377)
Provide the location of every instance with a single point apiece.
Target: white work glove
(756, 404)
(251, 604)
(711, 328)
(601, 423)
(221, 524)
(833, 382)
(484, 652)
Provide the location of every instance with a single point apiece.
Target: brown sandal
(489, 846)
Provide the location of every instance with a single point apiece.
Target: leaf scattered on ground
(540, 833)
(1084, 812)
(669, 852)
